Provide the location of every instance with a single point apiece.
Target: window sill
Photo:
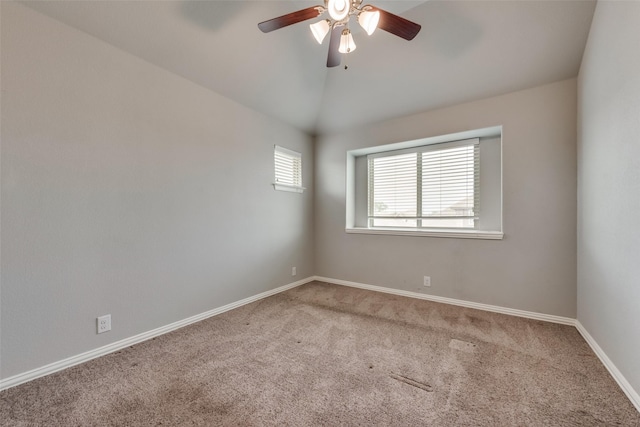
(290, 188)
(454, 234)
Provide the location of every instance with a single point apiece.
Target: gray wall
(609, 186)
(129, 190)
(533, 268)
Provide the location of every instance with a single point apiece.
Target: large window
(287, 170)
(437, 186)
(432, 186)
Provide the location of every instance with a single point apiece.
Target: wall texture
(131, 191)
(609, 185)
(533, 268)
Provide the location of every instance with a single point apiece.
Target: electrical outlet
(293, 271)
(104, 323)
(427, 281)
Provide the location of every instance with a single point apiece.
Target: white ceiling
(466, 50)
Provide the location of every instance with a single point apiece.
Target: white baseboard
(462, 303)
(633, 395)
(110, 348)
(18, 379)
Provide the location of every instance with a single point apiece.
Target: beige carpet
(323, 354)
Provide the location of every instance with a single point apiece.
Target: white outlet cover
(427, 281)
(104, 323)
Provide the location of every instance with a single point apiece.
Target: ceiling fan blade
(334, 57)
(290, 19)
(397, 25)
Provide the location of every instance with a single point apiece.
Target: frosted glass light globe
(338, 9)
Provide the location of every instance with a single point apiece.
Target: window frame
(280, 156)
(354, 188)
(419, 216)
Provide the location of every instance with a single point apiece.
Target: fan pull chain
(346, 57)
(346, 60)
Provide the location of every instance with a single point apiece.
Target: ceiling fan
(340, 12)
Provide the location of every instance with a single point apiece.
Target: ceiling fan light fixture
(347, 45)
(320, 30)
(368, 20)
(337, 22)
(338, 9)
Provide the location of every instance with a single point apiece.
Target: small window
(431, 186)
(288, 170)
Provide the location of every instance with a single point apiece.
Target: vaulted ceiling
(466, 50)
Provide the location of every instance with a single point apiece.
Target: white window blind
(425, 187)
(288, 170)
